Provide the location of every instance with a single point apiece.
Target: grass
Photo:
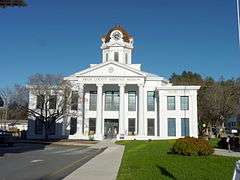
(214, 142)
(143, 160)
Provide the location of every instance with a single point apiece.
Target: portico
(120, 112)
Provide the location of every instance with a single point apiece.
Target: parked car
(6, 138)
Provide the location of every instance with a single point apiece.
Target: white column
(140, 110)
(99, 119)
(121, 110)
(80, 119)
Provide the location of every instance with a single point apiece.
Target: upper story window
(132, 101)
(116, 56)
(171, 103)
(40, 101)
(126, 58)
(184, 100)
(112, 101)
(151, 101)
(52, 101)
(93, 101)
(74, 100)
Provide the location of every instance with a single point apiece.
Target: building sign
(110, 80)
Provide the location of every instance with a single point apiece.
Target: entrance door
(110, 128)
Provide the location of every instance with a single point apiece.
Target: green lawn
(143, 160)
(214, 142)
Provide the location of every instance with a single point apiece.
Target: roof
(126, 36)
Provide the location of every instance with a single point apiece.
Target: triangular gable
(110, 68)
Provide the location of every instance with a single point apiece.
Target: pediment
(110, 69)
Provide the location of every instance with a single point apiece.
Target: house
(10, 124)
(233, 123)
(117, 99)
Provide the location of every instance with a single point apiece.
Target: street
(38, 161)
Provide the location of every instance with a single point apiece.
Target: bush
(189, 146)
(234, 143)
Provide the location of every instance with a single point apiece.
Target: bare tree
(11, 97)
(53, 99)
(6, 95)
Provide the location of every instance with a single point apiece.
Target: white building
(117, 99)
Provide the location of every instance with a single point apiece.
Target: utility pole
(238, 21)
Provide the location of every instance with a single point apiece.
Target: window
(74, 100)
(132, 101)
(126, 58)
(52, 126)
(151, 101)
(106, 56)
(233, 123)
(131, 126)
(112, 101)
(40, 101)
(184, 100)
(73, 126)
(150, 126)
(38, 126)
(52, 102)
(116, 56)
(93, 101)
(171, 102)
(171, 127)
(1, 102)
(185, 126)
(92, 125)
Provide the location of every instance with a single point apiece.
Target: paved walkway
(224, 152)
(102, 167)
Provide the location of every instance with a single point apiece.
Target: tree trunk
(46, 130)
(46, 134)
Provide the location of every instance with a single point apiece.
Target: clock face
(116, 35)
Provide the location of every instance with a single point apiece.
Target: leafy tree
(12, 3)
(217, 100)
(186, 78)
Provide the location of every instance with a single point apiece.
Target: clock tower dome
(117, 46)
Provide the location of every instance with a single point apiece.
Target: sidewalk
(224, 152)
(102, 167)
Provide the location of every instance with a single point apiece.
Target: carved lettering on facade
(109, 79)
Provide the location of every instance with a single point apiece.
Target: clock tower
(117, 46)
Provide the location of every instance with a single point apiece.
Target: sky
(169, 36)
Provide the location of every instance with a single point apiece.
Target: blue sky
(170, 36)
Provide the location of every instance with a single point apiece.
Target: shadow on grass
(165, 172)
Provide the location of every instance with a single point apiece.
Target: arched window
(1, 102)
(126, 58)
(116, 56)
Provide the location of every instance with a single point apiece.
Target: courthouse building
(117, 99)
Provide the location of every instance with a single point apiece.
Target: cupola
(117, 46)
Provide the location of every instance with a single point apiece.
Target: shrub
(189, 146)
(234, 143)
